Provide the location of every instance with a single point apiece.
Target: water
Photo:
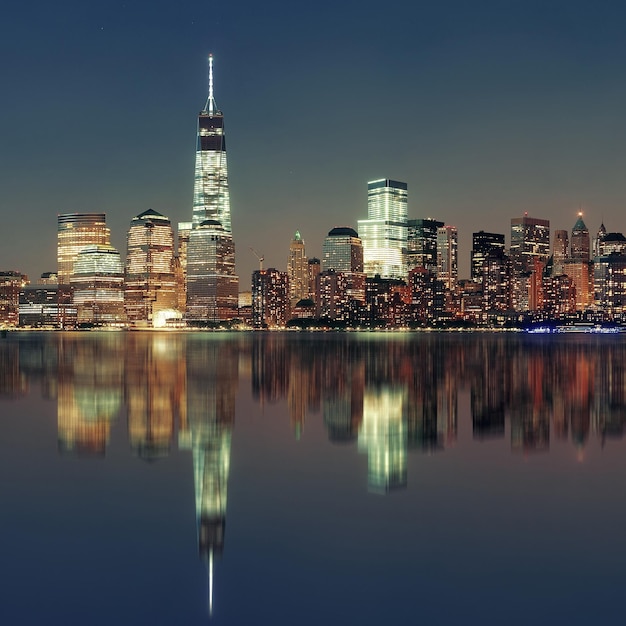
(287, 478)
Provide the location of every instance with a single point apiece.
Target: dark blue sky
(486, 109)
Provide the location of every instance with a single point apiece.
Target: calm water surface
(273, 478)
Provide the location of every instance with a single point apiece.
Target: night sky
(485, 109)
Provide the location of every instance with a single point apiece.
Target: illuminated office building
(313, 271)
(496, 281)
(212, 285)
(530, 240)
(184, 230)
(610, 283)
(484, 244)
(560, 251)
(612, 243)
(10, 285)
(384, 232)
(447, 256)
(97, 285)
(581, 243)
(76, 231)
(150, 285)
(39, 304)
(599, 238)
(422, 243)
(581, 273)
(297, 269)
(211, 199)
(343, 253)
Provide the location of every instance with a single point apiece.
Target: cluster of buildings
(391, 272)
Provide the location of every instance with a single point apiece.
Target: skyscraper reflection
(90, 392)
(383, 436)
(154, 384)
(212, 374)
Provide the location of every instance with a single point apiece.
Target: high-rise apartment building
(422, 243)
(150, 283)
(384, 232)
(484, 244)
(297, 270)
(581, 243)
(270, 298)
(212, 284)
(530, 240)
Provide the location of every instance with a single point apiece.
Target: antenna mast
(211, 100)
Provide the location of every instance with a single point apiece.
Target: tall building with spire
(581, 242)
(212, 284)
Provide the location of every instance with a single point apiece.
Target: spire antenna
(211, 101)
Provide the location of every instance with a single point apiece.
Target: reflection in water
(211, 388)
(90, 396)
(154, 385)
(383, 436)
(389, 395)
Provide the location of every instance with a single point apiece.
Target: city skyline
(497, 112)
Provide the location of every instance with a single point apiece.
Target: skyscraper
(447, 256)
(343, 252)
(530, 239)
(422, 243)
(560, 251)
(98, 286)
(211, 198)
(482, 245)
(270, 298)
(76, 231)
(581, 243)
(150, 285)
(384, 232)
(297, 270)
(212, 285)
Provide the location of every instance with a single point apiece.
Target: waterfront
(321, 478)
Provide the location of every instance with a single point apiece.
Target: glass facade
(343, 253)
(209, 264)
(530, 239)
(212, 285)
(98, 286)
(384, 232)
(581, 242)
(422, 243)
(77, 231)
(211, 198)
(150, 285)
(482, 245)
